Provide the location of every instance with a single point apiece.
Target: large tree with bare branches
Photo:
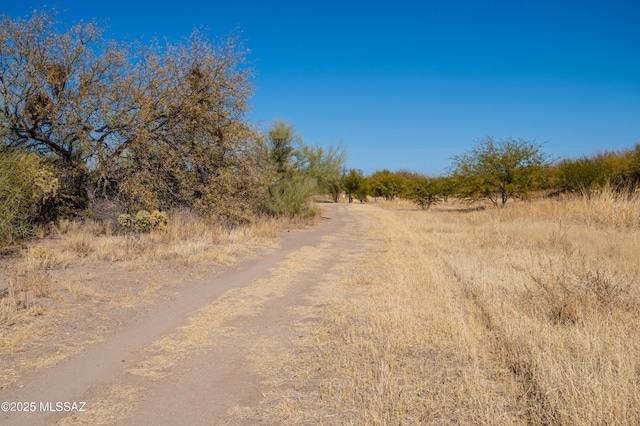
(158, 125)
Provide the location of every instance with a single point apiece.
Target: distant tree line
(501, 170)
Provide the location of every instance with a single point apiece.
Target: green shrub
(159, 219)
(290, 197)
(125, 220)
(27, 185)
(143, 220)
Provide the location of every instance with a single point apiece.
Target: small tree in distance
(354, 184)
(386, 184)
(499, 170)
(424, 191)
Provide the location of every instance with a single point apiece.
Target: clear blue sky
(410, 84)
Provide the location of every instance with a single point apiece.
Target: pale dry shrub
(41, 258)
(20, 287)
(80, 243)
(109, 228)
(186, 237)
(609, 207)
(61, 226)
(266, 227)
(395, 204)
(185, 225)
(571, 290)
(263, 228)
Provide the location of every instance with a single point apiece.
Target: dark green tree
(633, 169)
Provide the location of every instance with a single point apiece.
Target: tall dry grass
(25, 282)
(524, 315)
(186, 240)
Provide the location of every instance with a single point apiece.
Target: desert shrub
(290, 197)
(424, 191)
(27, 185)
(80, 243)
(499, 170)
(125, 220)
(609, 207)
(187, 141)
(296, 171)
(159, 219)
(590, 174)
(144, 221)
(576, 290)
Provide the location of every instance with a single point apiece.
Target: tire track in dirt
(256, 336)
(193, 337)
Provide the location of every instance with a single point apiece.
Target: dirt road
(199, 358)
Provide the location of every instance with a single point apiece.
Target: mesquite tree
(157, 125)
(499, 170)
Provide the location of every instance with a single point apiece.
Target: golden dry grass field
(528, 314)
(522, 315)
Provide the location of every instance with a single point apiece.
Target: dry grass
(523, 315)
(80, 243)
(21, 289)
(39, 282)
(187, 240)
(458, 315)
(103, 411)
(187, 236)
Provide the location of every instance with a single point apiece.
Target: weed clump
(574, 292)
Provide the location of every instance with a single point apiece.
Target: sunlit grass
(459, 315)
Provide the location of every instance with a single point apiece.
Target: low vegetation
(465, 316)
(297, 171)
(183, 239)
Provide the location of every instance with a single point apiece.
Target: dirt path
(195, 359)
